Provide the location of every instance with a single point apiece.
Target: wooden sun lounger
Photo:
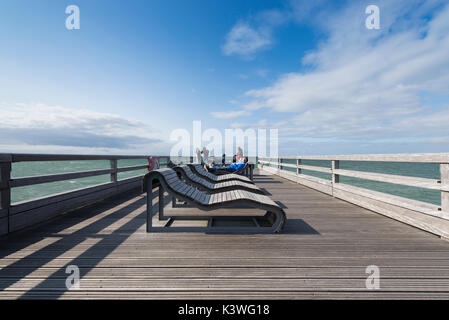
(201, 183)
(199, 170)
(168, 180)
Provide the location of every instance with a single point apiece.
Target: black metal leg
(149, 204)
(161, 202)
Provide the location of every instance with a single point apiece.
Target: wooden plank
(288, 165)
(132, 168)
(19, 157)
(316, 168)
(26, 181)
(402, 180)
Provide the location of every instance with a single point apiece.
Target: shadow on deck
(323, 252)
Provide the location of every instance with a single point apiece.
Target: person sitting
(231, 168)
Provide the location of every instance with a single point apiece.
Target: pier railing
(22, 214)
(428, 216)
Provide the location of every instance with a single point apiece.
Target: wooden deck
(322, 253)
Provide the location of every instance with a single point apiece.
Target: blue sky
(136, 70)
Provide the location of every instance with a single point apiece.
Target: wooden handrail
(27, 181)
(16, 216)
(416, 157)
(418, 182)
(277, 165)
(21, 157)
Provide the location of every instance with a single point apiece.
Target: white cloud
(254, 34)
(60, 127)
(253, 105)
(230, 114)
(367, 83)
(244, 40)
(263, 123)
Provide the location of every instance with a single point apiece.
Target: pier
(333, 233)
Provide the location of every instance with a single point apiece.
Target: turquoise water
(422, 170)
(29, 169)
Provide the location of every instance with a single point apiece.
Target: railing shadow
(16, 271)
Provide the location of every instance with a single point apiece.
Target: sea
(28, 169)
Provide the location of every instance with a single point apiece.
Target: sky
(137, 70)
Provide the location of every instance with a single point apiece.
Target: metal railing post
(298, 169)
(149, 204)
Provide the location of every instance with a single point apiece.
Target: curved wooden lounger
(209, 187)
(199, 170)
(272, 222)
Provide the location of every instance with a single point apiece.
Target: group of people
(238, 162)
(234, 166)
